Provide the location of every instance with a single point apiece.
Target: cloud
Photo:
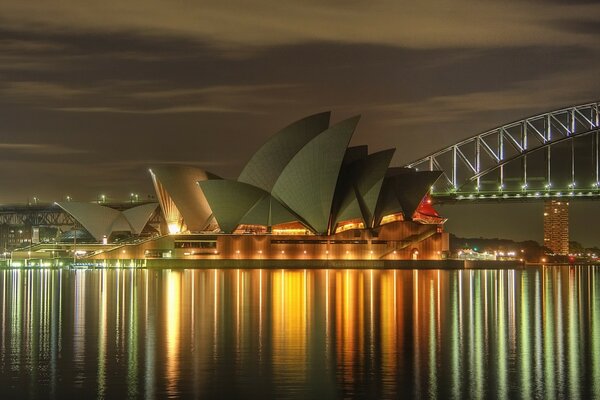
(20, 46)
(190, 108)
(39, 149)
(36, 89)
(220, 90)
(242, 24)
(138, 98)
(129, 165)
(535, 95)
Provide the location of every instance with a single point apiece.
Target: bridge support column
(556, 226)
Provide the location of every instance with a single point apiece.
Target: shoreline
(448, 264)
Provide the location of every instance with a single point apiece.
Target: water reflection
(301, 333)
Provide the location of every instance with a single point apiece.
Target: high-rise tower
(556, 226)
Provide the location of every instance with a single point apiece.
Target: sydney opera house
(305, 194)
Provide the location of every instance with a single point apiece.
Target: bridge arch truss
(553, 154)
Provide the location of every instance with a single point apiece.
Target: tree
(575, 247)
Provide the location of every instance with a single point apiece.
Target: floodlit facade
(303, 194)
(103, 222)
(556, 226)
(184, 207)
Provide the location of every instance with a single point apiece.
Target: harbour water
(301, 333)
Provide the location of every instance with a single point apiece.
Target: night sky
(91, 92)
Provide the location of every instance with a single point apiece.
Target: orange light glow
(292, 228)
(289, 231)
(347, 225)
(391, 218)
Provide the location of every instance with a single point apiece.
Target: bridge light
(537, 194)
(559, 194)
(548, 185)
(500, 187)
(524, 186)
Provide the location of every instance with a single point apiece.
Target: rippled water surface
(319, 334)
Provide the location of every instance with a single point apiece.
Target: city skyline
(93, 95)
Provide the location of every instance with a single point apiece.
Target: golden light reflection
(395, 333)
(346, 322)
(215, 312)
(172, 324)
(389, 327)
(102, 334)
(260, 312)
(289, 325)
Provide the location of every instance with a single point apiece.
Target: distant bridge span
(550, 155)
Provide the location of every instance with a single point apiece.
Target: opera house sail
(304, 194)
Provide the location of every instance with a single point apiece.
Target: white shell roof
(102, 221)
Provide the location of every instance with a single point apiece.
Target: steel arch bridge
(550, 155)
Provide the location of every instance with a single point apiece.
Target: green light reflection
(532, 333)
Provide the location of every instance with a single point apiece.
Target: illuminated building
(556, 226)
(303, 194)
(184, 207)
(104, 223)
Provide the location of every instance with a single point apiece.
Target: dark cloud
(580, 26)
(235, 25)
